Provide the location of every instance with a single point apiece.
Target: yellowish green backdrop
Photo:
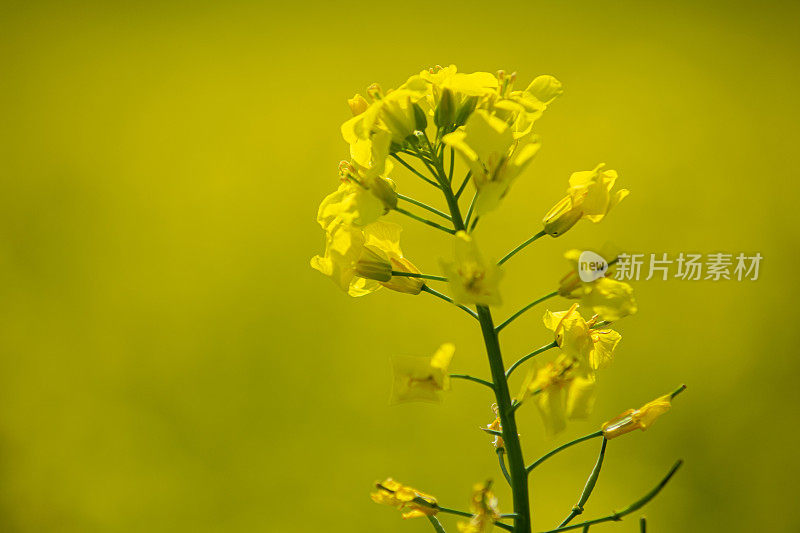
(169, 361)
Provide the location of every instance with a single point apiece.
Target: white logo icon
(591, 266)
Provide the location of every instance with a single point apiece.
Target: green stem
(500, 453)
(532, 354)
(436, 524)
(439, 174)
(473, 378)
(415, 171)
(463, 184)
(511, 254)
(510, 319)
(415, 275)
(471, 208)
(441, 296)
(643, 525)
(516, 462)
(424, 206)
(424, 220)
(453, 511)
(635, 506)
(464, 513)
(452, 165)
(563, 447)
(474, 223)
(588, 488)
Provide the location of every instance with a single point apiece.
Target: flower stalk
(488, 122)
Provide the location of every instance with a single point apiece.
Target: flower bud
(372, 265)
(465, 110)
(446, 110)
(358, 104)
(561, 217)
(420, 120)
(641, 418)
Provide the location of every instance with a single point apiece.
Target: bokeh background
(169, 361)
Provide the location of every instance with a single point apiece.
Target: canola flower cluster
(419, 128)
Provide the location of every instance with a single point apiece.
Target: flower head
(471, 279)
(605, 296)
(520, 109)
(410, 501)
(453, 95)
(560, 390)
(351, 204)
(579, 340)
(361, 260)
(484, 510)
(393, 112)
(422, 378)
(641, 418)
(487, 145)
(588, 196)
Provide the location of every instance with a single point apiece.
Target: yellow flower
(350, 204)
(422, 378)
(589, 196)
(393, 112)
(561, 390)
(522, 108)
(495, 159)
(484, 510)
(471, 279)
(605, 296)
(370, 157)
(610, 299)
(641, 418)
(411, 502)
(360, 260)
(454, 95)
(577, 338)
(498, 441)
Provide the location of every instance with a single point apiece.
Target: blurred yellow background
(169, 361)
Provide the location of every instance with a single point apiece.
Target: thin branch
(428, 165)
(532, 354)
(463, 513)
(518, 313)
(473, 378)
(463, 184)
(452, 165)
(635, 506)
(424, 206)
(519, 248)
(424, 220)
(415, 171)
(474, 223)
(415, 275)
(441, 296)
(470, 209)
(563, 447)
(436, 524)
(588, 488)
(500, 453)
